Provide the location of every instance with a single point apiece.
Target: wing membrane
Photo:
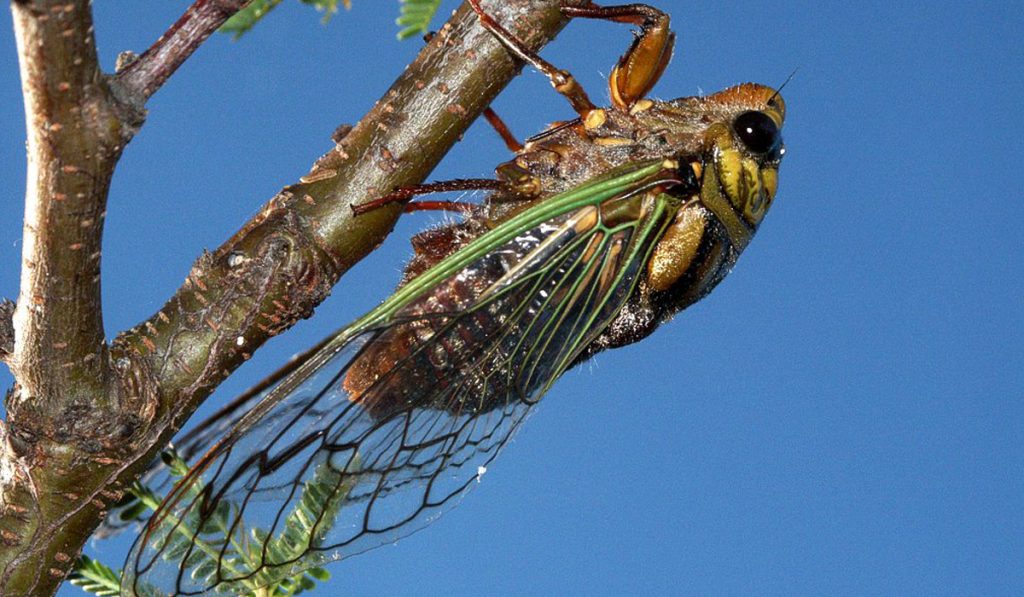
(391, 422)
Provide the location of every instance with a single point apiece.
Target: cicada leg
(561, 80)
(499, 126)
(405, 194)
(637, 71)
(449, 205)
(645, 60)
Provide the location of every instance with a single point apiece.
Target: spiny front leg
(645, 60)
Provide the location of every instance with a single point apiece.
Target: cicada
(600, 229)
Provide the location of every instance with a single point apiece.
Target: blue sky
(844, 415)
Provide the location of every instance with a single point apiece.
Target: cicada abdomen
(424, 370)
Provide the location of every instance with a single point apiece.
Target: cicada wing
(387, 426)
(190, 445)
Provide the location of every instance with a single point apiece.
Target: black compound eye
(757, 131)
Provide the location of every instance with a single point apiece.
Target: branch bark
(62, 411)
(64, 459)
(73, 143)
(284, 261)
(142, 77)
(6, 330)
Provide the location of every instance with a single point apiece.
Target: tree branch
(76, 130)
(141, 78)
(64, 409)
(272, 272)
(74, 140)
(282, 263)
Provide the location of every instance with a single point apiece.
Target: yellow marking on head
(770, 182)
(753, 200)
(749, 187)
(730, 172)
(758, 204)
(723, 207)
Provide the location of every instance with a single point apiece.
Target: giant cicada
(598, 231)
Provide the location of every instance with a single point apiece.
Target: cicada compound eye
(758, 132)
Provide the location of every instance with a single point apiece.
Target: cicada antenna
(783, 86)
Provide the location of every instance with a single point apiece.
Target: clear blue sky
(844, 415)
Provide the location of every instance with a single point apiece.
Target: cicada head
(733, 141)
(744, 150)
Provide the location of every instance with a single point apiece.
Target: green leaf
(133, 511)
(212, 545)
(174, 462)
(246, 18)
(304, 527)
(94, 577)
(416, 16)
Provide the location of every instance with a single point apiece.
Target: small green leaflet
(246, 18)
(416, 16)
(95, 578)
(318, 495)
(414, 19)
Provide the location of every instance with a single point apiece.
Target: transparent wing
(188, 446)
(386, 426)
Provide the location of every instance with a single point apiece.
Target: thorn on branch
(124, 60)
(341, 132)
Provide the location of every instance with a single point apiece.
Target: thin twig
(142, 77)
